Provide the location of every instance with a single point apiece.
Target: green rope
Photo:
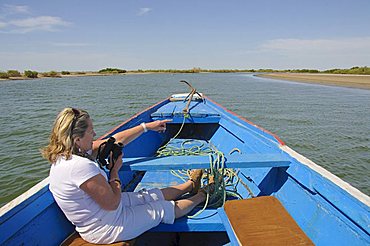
(217, 169)
(225, 179)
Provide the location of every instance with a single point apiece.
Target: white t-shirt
(66, 177)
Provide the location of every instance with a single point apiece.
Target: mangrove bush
(112, 70)
(31, 74)
(14, 73)
(4, 75)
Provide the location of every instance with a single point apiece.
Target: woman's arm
(106, 194)
(131, 134)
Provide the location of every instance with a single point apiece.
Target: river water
(329, 125)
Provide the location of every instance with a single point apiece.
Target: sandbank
(345, 80)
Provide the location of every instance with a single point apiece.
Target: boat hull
(327, 209)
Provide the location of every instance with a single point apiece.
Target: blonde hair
(69, 124)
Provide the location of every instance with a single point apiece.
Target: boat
(267, 193)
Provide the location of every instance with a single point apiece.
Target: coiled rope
(225, 179)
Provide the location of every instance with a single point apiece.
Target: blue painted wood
(235, 119)
(327, 213)
(199, 162)
(179, 119)
(47, 229)
(331, 226)
(197, 109)
(255, 142)
(208, 221)
(342, 212)
(31, 224)
(228, 227)
(247, 188)
(22, 205)
(24, 215)
(199, 112)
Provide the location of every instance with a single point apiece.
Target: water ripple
(326, 124)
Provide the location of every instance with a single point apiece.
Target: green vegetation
(10, 73)
(4, 75)
(53, 74)
(193, 70)
(31, 74)
(353, 70)
(34, 74)
(303, 71)
(14, 73)
(112, 70)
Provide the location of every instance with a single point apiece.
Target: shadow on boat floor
(182, 238)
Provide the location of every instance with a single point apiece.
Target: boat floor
(259, 220)
(183, 238)
(207, 221)
(162, 238)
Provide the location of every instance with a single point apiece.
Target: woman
(92, 201)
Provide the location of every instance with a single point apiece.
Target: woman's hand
(158, 125)
(117, 164)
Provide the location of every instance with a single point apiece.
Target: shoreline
(344, 80)
(87, 74)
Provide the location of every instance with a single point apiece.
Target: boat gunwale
(351, 190)
(357, 194)
(24, 196)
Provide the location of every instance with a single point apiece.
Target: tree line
(354, 70)
(34, 74)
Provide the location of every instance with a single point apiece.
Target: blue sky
(167, 34)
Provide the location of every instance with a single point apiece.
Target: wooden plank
(262, 221)
(196, 162)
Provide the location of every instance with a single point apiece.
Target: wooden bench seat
(262, 221)
(75, 240)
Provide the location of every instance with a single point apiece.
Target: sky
(89, 35)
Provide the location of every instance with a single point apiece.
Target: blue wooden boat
(265, 174)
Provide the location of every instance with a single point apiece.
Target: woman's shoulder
(82, 167)
(81, 158)
(74, 160)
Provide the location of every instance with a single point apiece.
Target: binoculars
(107, 148)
